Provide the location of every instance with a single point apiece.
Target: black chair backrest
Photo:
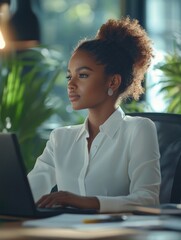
(169, 137)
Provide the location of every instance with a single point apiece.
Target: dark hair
(124, 48)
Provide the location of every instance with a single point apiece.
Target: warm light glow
(4, 17)
(2, 42)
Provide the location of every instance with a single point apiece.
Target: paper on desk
(72, 221)
(153, 223)
(75, 221)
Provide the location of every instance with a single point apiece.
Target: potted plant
(170, 83)
(26, 84)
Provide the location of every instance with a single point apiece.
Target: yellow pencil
(116, 218)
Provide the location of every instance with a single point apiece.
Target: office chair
(169, 137)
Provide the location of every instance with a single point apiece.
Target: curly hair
(124, 47)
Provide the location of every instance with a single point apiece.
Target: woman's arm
(42, 176)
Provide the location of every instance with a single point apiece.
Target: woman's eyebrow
(81, 68)
(84, 68)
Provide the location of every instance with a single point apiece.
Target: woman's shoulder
(138, 121)
(131, 118)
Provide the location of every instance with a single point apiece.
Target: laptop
(16, 198)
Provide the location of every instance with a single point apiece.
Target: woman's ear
(115, 82)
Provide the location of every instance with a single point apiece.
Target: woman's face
(87, 82)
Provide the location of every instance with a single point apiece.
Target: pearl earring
(110, 92)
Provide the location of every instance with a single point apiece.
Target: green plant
(26, 86)
(130, 106)
(170, 83)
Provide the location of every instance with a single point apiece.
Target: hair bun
(111, 31)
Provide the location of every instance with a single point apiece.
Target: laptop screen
(15, 194)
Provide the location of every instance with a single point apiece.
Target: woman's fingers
(53, 199)
(64, 198)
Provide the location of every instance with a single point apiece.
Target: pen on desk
(119, 218)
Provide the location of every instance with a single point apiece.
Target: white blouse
(122, 168)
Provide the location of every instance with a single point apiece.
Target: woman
(111, 161)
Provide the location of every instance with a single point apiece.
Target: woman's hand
(65, 199)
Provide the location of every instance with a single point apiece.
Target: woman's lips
(73, 97)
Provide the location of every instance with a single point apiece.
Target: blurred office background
(57, 25)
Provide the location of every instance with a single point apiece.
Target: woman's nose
(72, 83)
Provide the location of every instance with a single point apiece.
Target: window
(163, 22)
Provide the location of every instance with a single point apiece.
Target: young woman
(111, 161)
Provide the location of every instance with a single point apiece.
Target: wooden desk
(53, 234)
(15, 231)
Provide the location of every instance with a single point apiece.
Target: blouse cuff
(108, 205)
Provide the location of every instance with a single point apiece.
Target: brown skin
(87, 89)
(68, 199)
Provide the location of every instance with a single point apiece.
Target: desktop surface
(13, 230)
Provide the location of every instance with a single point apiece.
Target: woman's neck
(97, 118)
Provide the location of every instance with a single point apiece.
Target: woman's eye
(68, 77)
(83, 75)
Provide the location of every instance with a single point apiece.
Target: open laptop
(16, 198)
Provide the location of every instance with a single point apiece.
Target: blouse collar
(109, 127)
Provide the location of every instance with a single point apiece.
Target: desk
(15, 231)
